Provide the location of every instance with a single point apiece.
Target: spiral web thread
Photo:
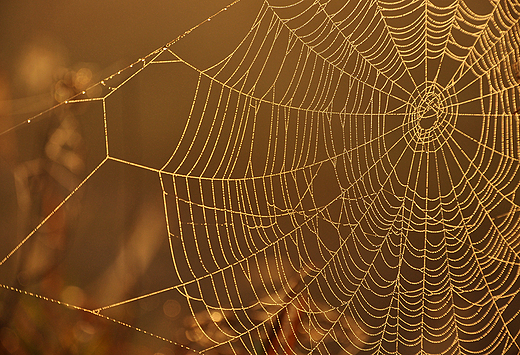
(346, 180)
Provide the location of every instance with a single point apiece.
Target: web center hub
(430, 117)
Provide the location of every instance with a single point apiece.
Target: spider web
(345, 180)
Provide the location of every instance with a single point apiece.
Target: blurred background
(109, 242)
